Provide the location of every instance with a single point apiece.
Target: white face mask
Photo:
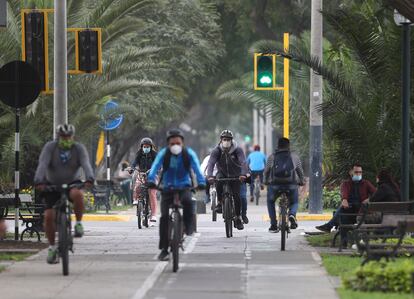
(226, 144)
(176, 149)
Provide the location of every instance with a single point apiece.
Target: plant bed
(16, 245)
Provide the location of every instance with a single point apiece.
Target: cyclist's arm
(212, 162)
(267, 171)
(242, 161)
(300, 172)
(44, 161)
(156, 166)
(195, 165)
(85, 163)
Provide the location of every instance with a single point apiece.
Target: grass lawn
(323, 240)
(14, 256)
(338, 265)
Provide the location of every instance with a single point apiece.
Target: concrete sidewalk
(116, 260)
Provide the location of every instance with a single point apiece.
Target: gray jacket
(52, 170)
(268, 175)
(230, 162)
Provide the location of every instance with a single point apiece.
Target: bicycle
(257, 187)
(63, 222)
(283, 218)
(229, 215)
(143, 209)
(213, 198)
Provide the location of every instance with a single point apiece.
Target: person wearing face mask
(231, 163)
(177, 162)
(354, 192)
(143, 162)
(60, 162)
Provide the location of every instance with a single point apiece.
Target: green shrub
(331, 198)
(395, 277)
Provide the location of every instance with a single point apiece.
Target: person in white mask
(177, 162)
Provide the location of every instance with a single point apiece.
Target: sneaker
(293, 222)
(251, 199)
(245, 219)
(152, 221)
(135, 202)
(239, 224)
(326, 228)
(164, 256)
(78, 230)
(219, 209)
(273, 229)
(52, 256)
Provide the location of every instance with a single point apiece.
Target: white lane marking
(192, 243)
(150, 281)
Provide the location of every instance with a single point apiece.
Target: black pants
(235, 189)
(348, 219)
(167, 199)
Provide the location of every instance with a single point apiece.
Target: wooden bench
(101, 194)
(30, 213)
(394, 209)
(397, 227)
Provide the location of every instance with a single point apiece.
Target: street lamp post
(405, 136)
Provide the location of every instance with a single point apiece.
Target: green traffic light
(265, 79)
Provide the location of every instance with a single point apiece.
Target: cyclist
(143, 161)
(256, 162)
(177, 162)
(283, 172)
(60, 162)
(231, 163)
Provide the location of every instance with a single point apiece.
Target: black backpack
(283, 169)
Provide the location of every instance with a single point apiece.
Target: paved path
(116, 260)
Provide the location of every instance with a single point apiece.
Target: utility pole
(255, 126)
(269, 138)
(316, 123)
(3, 13)
(261, 130)
(60, 97)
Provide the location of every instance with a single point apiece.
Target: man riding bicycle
(176, 162)
(231, 163)
(283, 173)
(256, 162)
(143, 162)
(60, 163)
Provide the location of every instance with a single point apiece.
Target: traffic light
(88, 51)
(34, 44)
(264, 71)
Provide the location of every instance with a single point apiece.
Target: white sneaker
(153, 220)
(135, 202)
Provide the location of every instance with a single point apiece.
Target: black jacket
(385, 192)
(144, 161)
(230, 163)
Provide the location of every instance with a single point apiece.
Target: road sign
(19, 84)
(110, 116)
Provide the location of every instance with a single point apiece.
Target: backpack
(283, 169)
(186, 160)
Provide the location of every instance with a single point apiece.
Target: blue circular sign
(110, 117)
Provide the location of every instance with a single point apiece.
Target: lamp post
(405, 136)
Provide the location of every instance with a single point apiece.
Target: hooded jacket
(144, 161)
(230, 162)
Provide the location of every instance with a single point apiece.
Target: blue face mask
(146, 150)
(356, 178)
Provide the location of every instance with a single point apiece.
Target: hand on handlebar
(88, 185)
(242, 178)
(211, 179)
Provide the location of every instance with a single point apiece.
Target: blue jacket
(256, 161)
(176, 176)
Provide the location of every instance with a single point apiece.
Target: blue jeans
(254, 175)
(243, 197)
(272, 191)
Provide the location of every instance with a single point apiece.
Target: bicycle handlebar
(64, 187)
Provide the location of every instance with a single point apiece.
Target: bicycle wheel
(146, 213)
(213, 206)
(228, 216)
(176, 239)
(64, 233)
(257, 193)
(139, 213)
(283, 222)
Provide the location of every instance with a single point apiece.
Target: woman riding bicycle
(142, 163)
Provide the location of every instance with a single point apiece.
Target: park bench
(396, 228)
(117, 196)
(388, 210)
(30, 213)
(101, 194)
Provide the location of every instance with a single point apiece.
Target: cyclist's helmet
(146, 141)
(226, 134)
(65, 130)
(175, 133)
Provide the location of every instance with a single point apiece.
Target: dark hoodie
(385, 192)
(230, 162)
(144, 161)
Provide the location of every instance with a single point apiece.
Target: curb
(95, 217)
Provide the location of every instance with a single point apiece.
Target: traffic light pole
(60, 97)
(316, 123)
